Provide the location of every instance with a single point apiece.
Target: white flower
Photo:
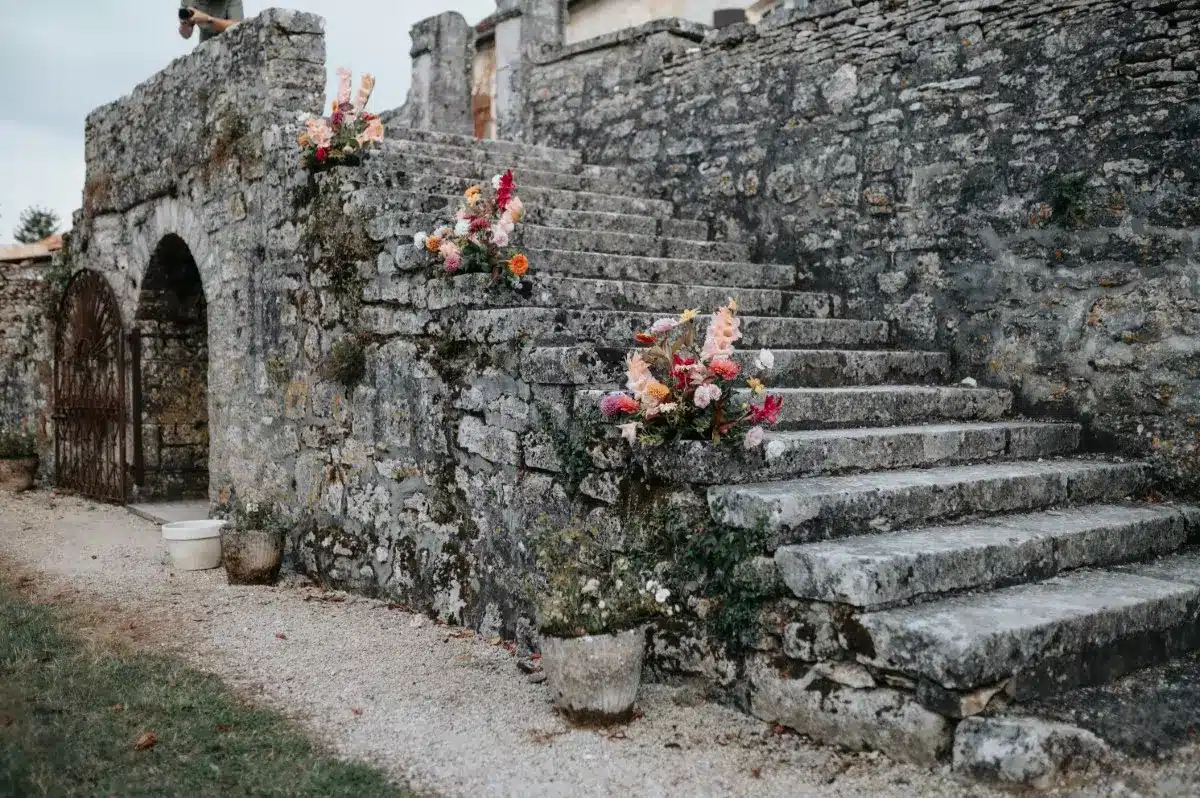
(591, 587)
(500, 236)
(706, 395)
(651, 586)
(664, 325)
(668, 407)
(765, 360)
(496, 182)
(629, 431)
(662, 595)
(462, 228)
(754, 438)
(442, 231)
(620, 584)
(419, 240)
(601, 605)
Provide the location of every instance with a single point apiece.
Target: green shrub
(17, 444)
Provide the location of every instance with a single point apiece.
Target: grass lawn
(78, 721)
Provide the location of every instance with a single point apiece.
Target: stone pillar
(443, 53)
(524, 28)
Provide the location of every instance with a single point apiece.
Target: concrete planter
(595, 677)
(252, 556)
(194, 545)
(17, 475)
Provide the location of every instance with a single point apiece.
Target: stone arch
(169, 377)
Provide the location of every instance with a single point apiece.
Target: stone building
(25, 296)
(965, 229)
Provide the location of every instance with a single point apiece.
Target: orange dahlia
(518, 265)
(659, 391)
(433, 243)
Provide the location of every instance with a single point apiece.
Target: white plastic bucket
(194, 545)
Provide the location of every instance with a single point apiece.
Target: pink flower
(706, 395)
(364, 92)
(640, 379)
(725, 369)
(516, 208)
(664, 326)
(754, 438)
(500, 236)
(319, 133)
(374, 132)
(723, 330)
(451, 256)
(343, 95)
(618, 404)
(629, 431)
(506, 221)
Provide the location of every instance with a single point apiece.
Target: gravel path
(433, 705)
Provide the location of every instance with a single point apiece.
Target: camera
(186, 13)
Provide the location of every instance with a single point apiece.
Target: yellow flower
(756, 385)
(659, 391)
(688, 315)
(733, 305)
(473, 194)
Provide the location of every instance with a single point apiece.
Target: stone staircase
(941, 556)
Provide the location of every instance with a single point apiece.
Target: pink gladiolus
(516, 208)
(374, 132)
(640, 379)
(722, 333)
(706, 395)
(618, 404)
(364, 92)
(343, 95)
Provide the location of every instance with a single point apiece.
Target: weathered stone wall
(25, 345)
(205, 151)
(1012, 181)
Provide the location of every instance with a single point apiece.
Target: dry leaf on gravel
(146, 741)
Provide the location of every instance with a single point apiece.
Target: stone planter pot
(17, 475)
(594, 678)
(252, 556)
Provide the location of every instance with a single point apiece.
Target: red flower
(723, 368)
(681, 370)
(322, 154)
(479, 223)
(504, 192)
(645, 338)
(337, 119)
(768, 411)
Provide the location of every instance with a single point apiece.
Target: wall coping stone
(678, 27)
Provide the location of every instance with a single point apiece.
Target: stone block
(1024, 751)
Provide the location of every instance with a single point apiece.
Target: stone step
(480, 168)
(819, 508)
(874, 571)
(537, 237)
(787, 455)
(569, 263)
(544, 162)
(617, 328)
(663, 298)
(871, 405)
(794, 368)
(395, 132)
(1079, 628)
(390, 174)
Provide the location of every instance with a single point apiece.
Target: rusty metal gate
(89, 391)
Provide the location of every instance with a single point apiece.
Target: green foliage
(346, 362)
(17, 444)
(35, 224)
(277, 370)
(698, 557)
(261, 516)
(571, 446)
(1068, 198)
(587, 586)
(73, 717)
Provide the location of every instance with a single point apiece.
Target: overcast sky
(59, 59)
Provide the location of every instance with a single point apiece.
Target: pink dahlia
(618, 404)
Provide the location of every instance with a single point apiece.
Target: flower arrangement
(478, 241)
(590, 588)
(350, 128)
(680, 392)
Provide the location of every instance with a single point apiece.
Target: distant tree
(35, 224)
